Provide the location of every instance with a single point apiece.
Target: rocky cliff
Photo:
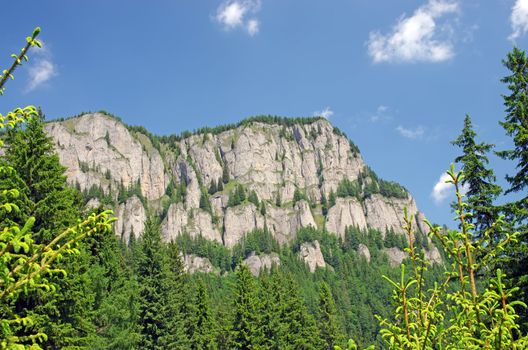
(222, 183)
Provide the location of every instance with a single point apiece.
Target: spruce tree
(41, 180)
(158, 309)
(329, 325)
(478, 180)
(225, 174)
(212, 187)
(253, 198)
(301, 331)
(202, 327)
(247, 332)
(516, 126)
(64, 314)
(331, 199)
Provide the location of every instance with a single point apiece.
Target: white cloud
(418, 38)
(41, 68)
(232, 14)
(441, 189)
(381, 114)
(325, 113)
(416, 133)
(519, 19)
(253, 27)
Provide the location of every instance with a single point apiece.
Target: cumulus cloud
(41, 68)
(418, 38)
(413, 134)
(325, 113)
(519, 19)
(441, 189)
(233, 14)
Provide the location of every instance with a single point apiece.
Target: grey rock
(310, 253)
(364, 252)
(256, 263)
(131, 218)
(193, 263)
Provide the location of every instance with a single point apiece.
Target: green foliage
(36, 231)
(237, 196)
(372, 184)
(219, 255)
(258, 241)
(299, 195)
(479, 181)
(329, 326)
(202, 327)
(347, 188)
(247, 330)
(515, 124)
(204, 201)
(464, 317)
(253, 198)
(160, 319)
(225, 174)
(331, 199)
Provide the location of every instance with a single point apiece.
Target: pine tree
(516, 126)
(479, 181)
(64, 314)
(324, 204)
(331, 199)
(300, 330)
(202, 329)
(116, 303)
(225, 174)
(158, 309)
(204, 201)
(329, 326)
(253, 198)
(42, 182)
(247, 332)
(212, 187)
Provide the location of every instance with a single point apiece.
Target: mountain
(269, 173)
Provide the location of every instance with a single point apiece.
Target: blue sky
(396, 76)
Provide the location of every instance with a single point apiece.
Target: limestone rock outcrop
(131, 218)
(364, 252)
(172, 178)
(256, 263)
(395, 255)
(193, 263)
(346, 212)
(310, 253)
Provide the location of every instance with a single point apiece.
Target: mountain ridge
(291, 173)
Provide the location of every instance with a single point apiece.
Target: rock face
(193, 263)
(395, 255)
(346, 212)
(312, 256)
(364, 252)
(195, 222)
(131, 218)
(274, 159)
(256, 263)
